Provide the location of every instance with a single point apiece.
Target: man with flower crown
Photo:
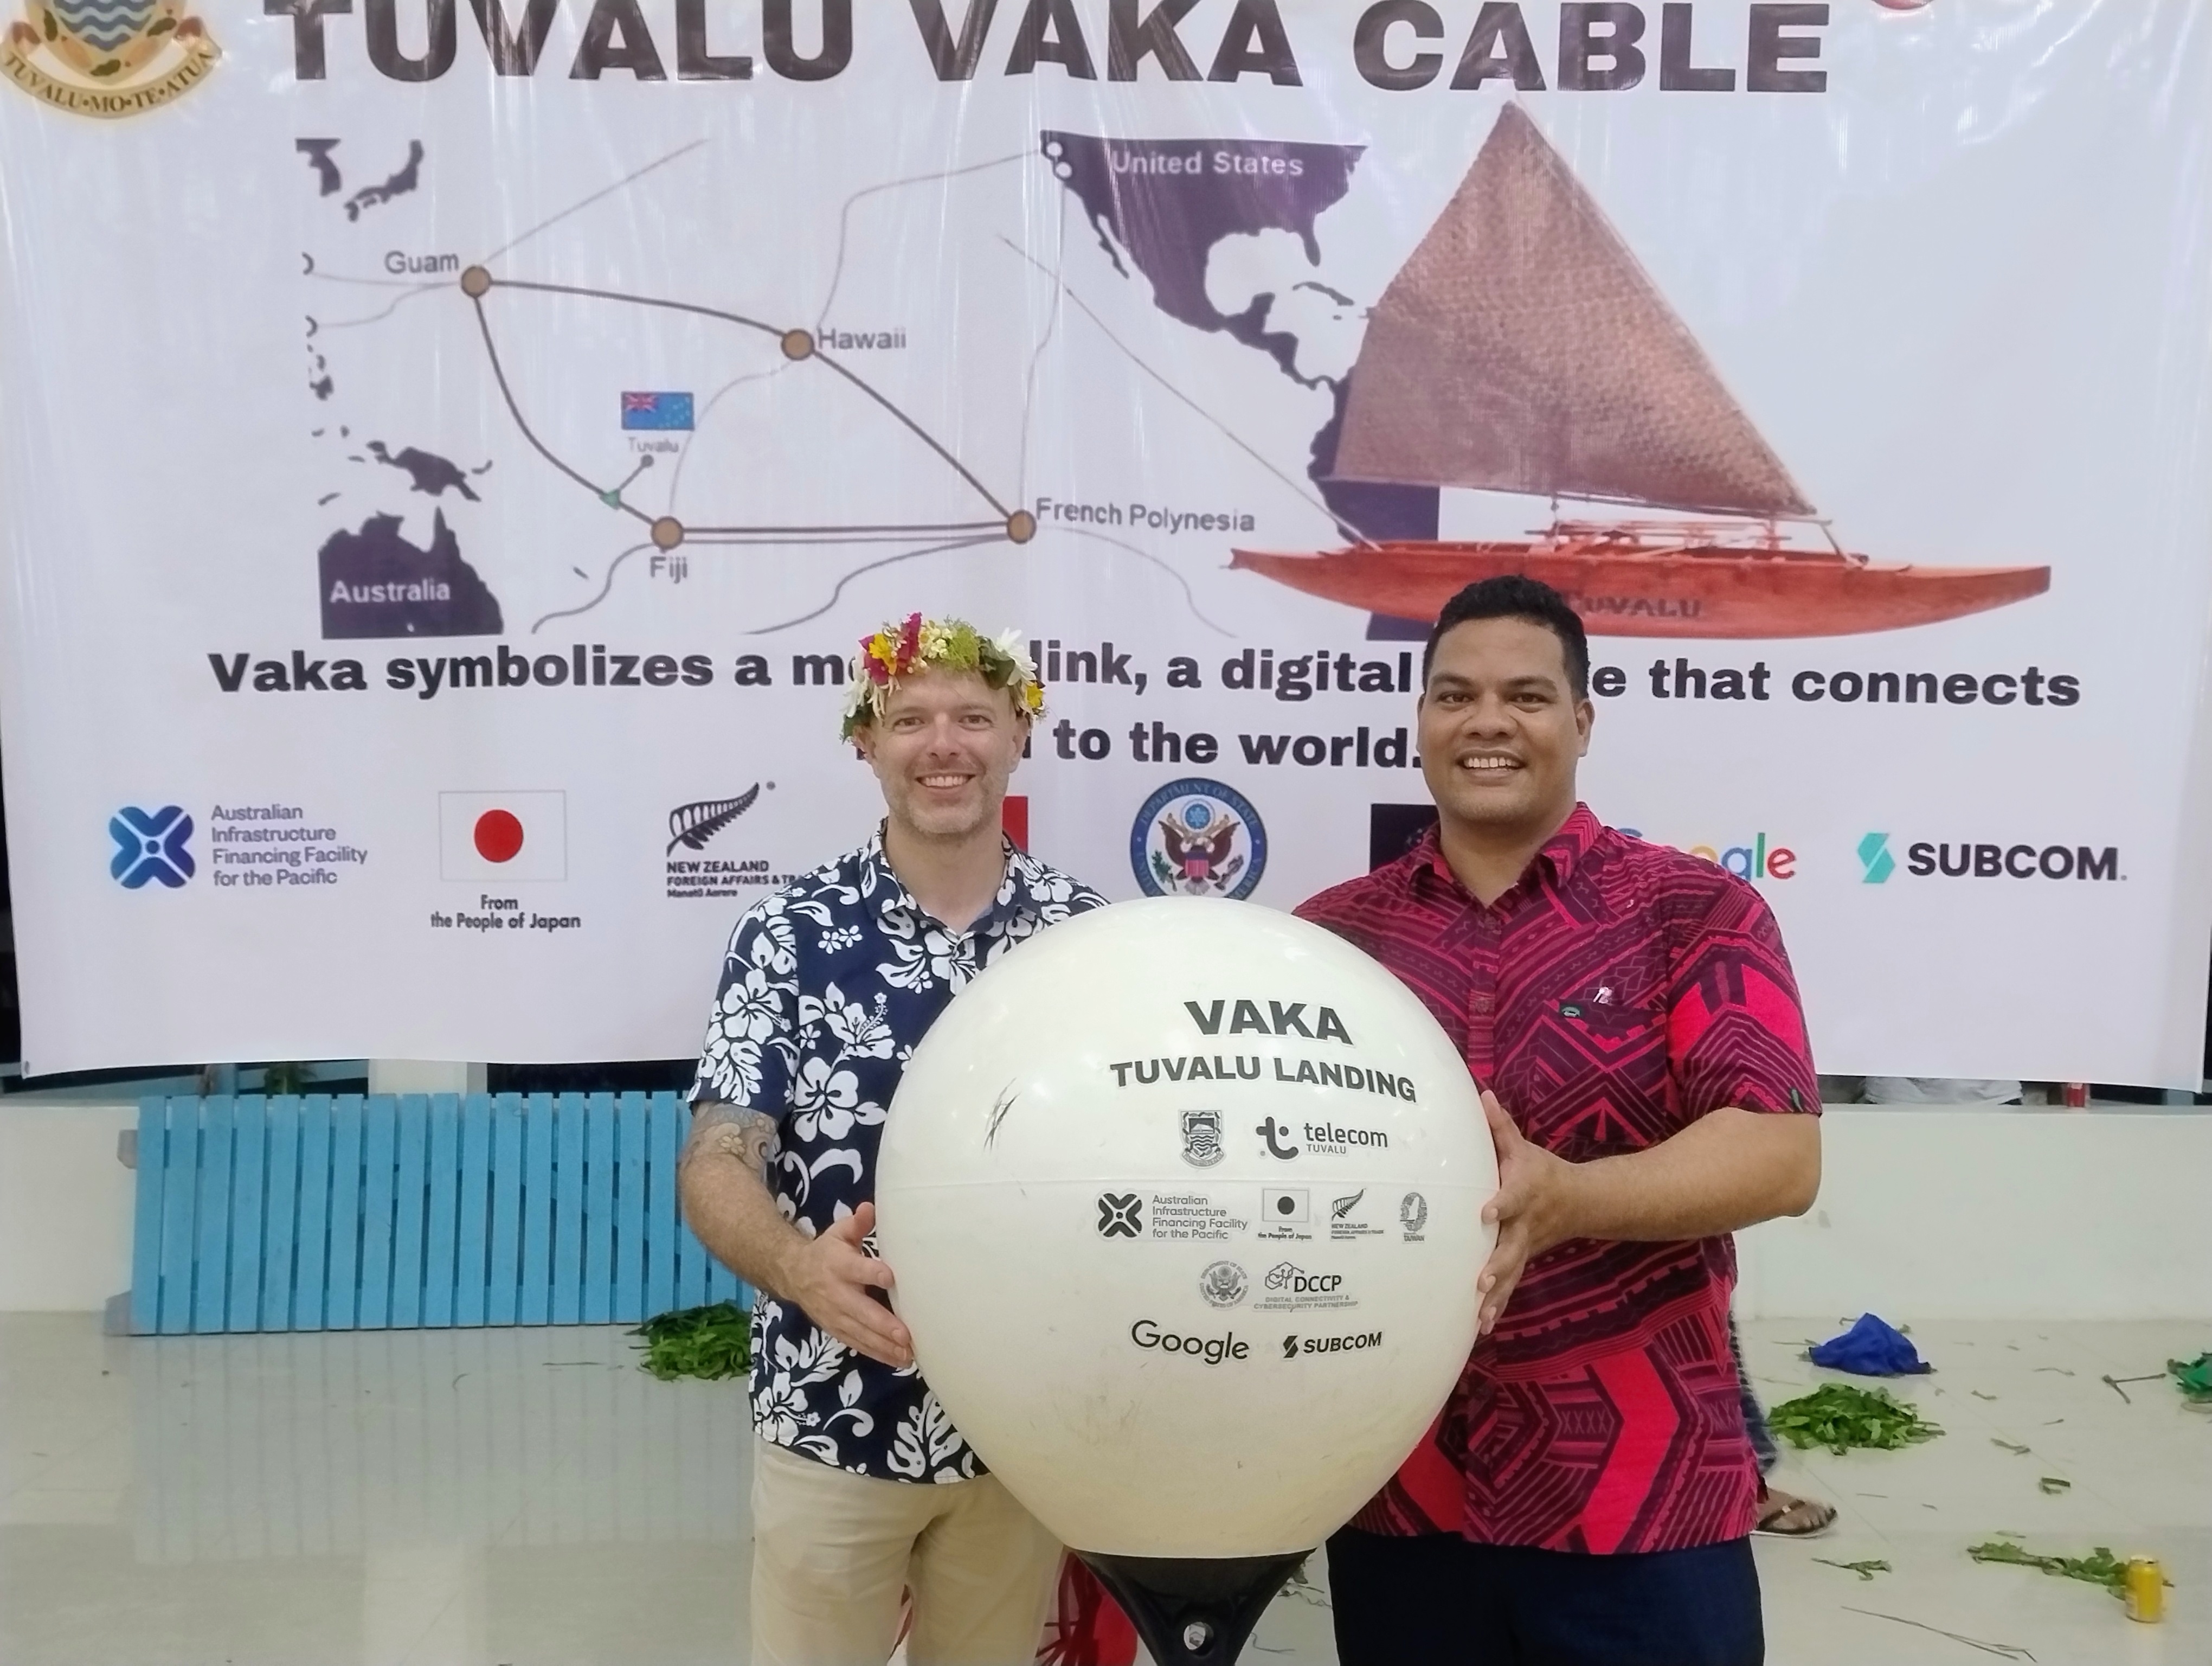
(862, 1488)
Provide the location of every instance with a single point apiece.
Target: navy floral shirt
(827, 988)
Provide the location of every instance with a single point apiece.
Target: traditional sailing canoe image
(1522, 348)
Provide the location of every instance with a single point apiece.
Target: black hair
(1517, 596)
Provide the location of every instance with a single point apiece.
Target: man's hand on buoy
(836, 1281)
(1533, 1210)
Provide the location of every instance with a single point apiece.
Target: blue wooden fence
(397, 1212)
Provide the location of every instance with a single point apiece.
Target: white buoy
(1184, 1203)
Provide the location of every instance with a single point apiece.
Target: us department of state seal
(107, 57)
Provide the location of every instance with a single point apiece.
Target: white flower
(822, 1099)
(779, 1409)
(749, 1008)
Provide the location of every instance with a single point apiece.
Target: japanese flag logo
(503, 838)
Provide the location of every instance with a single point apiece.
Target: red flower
(909, 643)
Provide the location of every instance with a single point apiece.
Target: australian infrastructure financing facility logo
(107, 57)
(1197, 838)
(151, 847)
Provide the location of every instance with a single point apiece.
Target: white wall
(1994, 1212)
(65, 1204)
(1924, 1214)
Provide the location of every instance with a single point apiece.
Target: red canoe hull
(1720, 593)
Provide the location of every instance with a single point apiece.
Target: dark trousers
(1439, 1601)
(1754, 1415)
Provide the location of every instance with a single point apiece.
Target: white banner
(450, 449)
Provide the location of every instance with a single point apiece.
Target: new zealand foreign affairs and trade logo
(152, 847)
(1197, 838)
(107, 57)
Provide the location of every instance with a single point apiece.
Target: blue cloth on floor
(1869, 1348)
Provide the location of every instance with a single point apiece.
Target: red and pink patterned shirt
(1616, 993)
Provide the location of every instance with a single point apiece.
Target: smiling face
(1502, 730)
(944, 748)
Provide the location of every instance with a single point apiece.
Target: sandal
(1786, 1516)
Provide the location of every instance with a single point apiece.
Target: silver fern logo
(694, 826)
(699, 865)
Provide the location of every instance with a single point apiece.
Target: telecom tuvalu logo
(151, 847)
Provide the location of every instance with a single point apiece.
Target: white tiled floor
(531, 1499)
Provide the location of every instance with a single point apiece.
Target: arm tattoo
(730, 1131)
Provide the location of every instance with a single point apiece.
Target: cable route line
(845, 214)
(606, 585)
(1227, 433)
(799, 346)
(843, 534)
(627, 180)
(513, 409)
(916, 429)
(638, 301)
(875, 566)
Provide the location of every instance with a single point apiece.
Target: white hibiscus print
(864, 1031)
(780, 1411)
(935, 960)
(823, 1099)
(751, 1006)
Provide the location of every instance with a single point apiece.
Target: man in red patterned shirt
(1587, 1493)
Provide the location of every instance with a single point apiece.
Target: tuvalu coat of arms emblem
(107, 57)
(1201, 1138)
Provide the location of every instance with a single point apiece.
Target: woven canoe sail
(1523, 348)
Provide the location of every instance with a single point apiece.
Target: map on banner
(1220, 235)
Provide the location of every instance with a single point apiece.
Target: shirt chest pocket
(1607, 1065)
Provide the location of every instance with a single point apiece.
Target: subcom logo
(151, 847)
(1924, 859)
(107, 57)
(1197, 838)
(1874, 857)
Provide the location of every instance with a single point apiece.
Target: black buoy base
(1193, 1611)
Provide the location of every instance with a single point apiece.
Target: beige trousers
(832, 1552)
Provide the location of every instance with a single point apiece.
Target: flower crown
(899, 650)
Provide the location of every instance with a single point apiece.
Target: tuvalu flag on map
(657, 412)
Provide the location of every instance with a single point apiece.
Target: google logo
(1755, 861)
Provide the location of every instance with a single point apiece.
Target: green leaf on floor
(2053, 1484)
(714, 1342)
(2193, 1377)
(2014, 1447)
(1840, 1417)
(1865, 1569)
(1978, 1395)
(2100, 1568)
